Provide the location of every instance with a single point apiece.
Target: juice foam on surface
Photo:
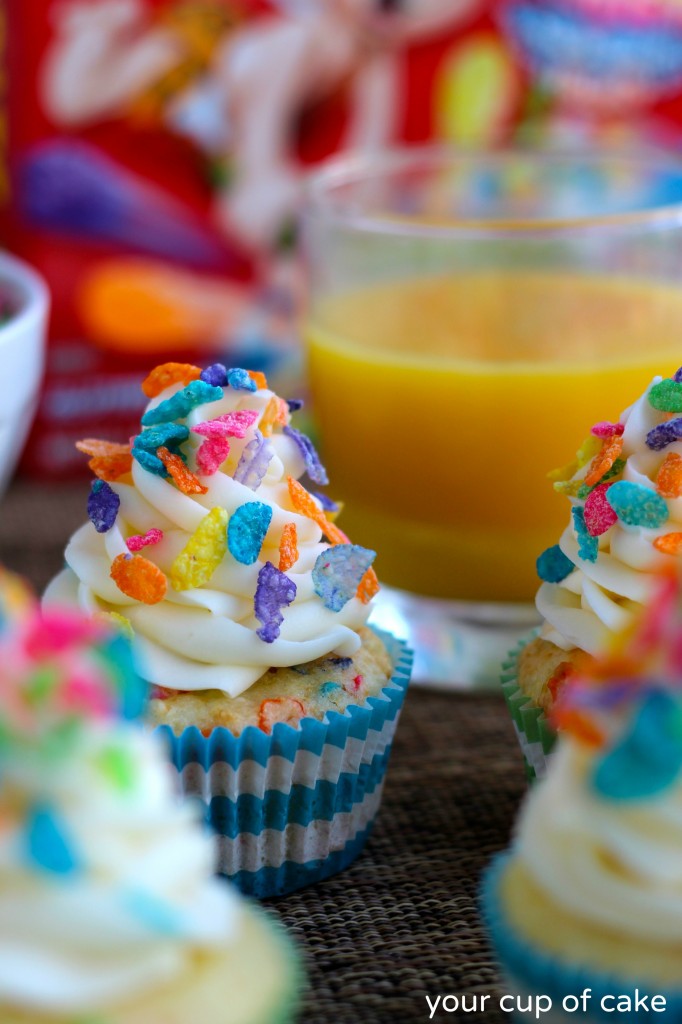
(443, 402)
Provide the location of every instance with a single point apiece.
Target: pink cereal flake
(139, 540)
(599, 516)
(231, 424)
(606, 429)
(212, 454)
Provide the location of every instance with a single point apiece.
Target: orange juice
(443, 402)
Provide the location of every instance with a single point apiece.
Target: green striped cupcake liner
(535, 735)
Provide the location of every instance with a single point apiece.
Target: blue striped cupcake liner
(535, 735)
(530, 971)
(296, 806)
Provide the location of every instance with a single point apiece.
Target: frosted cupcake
(625, 489)
(247, 607)
(590, 896)
(109, 910)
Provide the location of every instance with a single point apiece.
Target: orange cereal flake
(288, 547)
(305, 505)
(669, 543)
(137, 577)
(279, 709)
(109, 460)
(669, 478)
(576, 723)
(258, 378)
(604, 459)
(166, 374)
(185, 480)
(368, 587)
(276, 412)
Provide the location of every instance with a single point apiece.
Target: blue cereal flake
(168, 435)
(664, 434)
(648, 758)
(294, 404)
(553, 566)
(588, 546)
(666, 396)
(246, 531)
(338, 571)
(47, 844)
(314, 467)
(149, 461)
(274, 591)
(215, 375)
(180, 405)
(103, 506)
(637, 505)
(240, 380)
(254, 462)
(677, 376)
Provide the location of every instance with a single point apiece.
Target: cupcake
(588, 898)
(625, 489)
(247, 607)
(109, 908)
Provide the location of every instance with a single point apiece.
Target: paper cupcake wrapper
(535, 735)
(532, 971)
(296, 806)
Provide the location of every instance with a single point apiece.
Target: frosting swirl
(601, 597)
(206, 637)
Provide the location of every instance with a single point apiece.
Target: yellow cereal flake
(203, 552)
(124, 624)
(590, 447)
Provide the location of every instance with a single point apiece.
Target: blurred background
(153, 154)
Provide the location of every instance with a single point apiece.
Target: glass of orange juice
(471, 317)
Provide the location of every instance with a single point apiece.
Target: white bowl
(22, 358)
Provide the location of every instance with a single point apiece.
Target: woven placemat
(403, 921)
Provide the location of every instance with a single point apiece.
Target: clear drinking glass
(471, 317)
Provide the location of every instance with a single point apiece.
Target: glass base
(458, 645)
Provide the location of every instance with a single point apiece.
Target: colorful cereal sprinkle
(587, 451)
(637, 505)
(169, 435)
(664, 434)
(338, 571)
(241, 380)
(274, 591)
(259, 379)
(230, 424)
(616, 469)
(669, 543)
(253, 463)
(203, 552)
(304, 504)
(181, 404)
(103, 506)
(216, 375)
(327, 503)
(48, 844)
(279, 709)
(669, 477)
(604, 459)
(605, 429)
(588, 546)
(109, 461)
(246, 531)
(139, 541)
(124, 624)
(288, 547)
(137, 577)
(368, 587)
(314, 468)
(294, 404)
(152, 463)
(553, 565)
(211, 455)
(666, 396)
(166, 375)
(276, 412)
(183, 478)
(599, 515)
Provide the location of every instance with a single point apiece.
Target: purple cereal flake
(337, 573)
(294, 404)
(326, 502)
(103, 506)
(314, 467)
(215, 375)
(677, 376)
(239, 380)
(664, 434)
(254, 462)
(274, 591)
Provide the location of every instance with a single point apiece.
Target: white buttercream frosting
(602, 597)
(141, 899)
(206, 637)
(612, 863)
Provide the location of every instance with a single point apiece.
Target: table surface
(403, 921)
